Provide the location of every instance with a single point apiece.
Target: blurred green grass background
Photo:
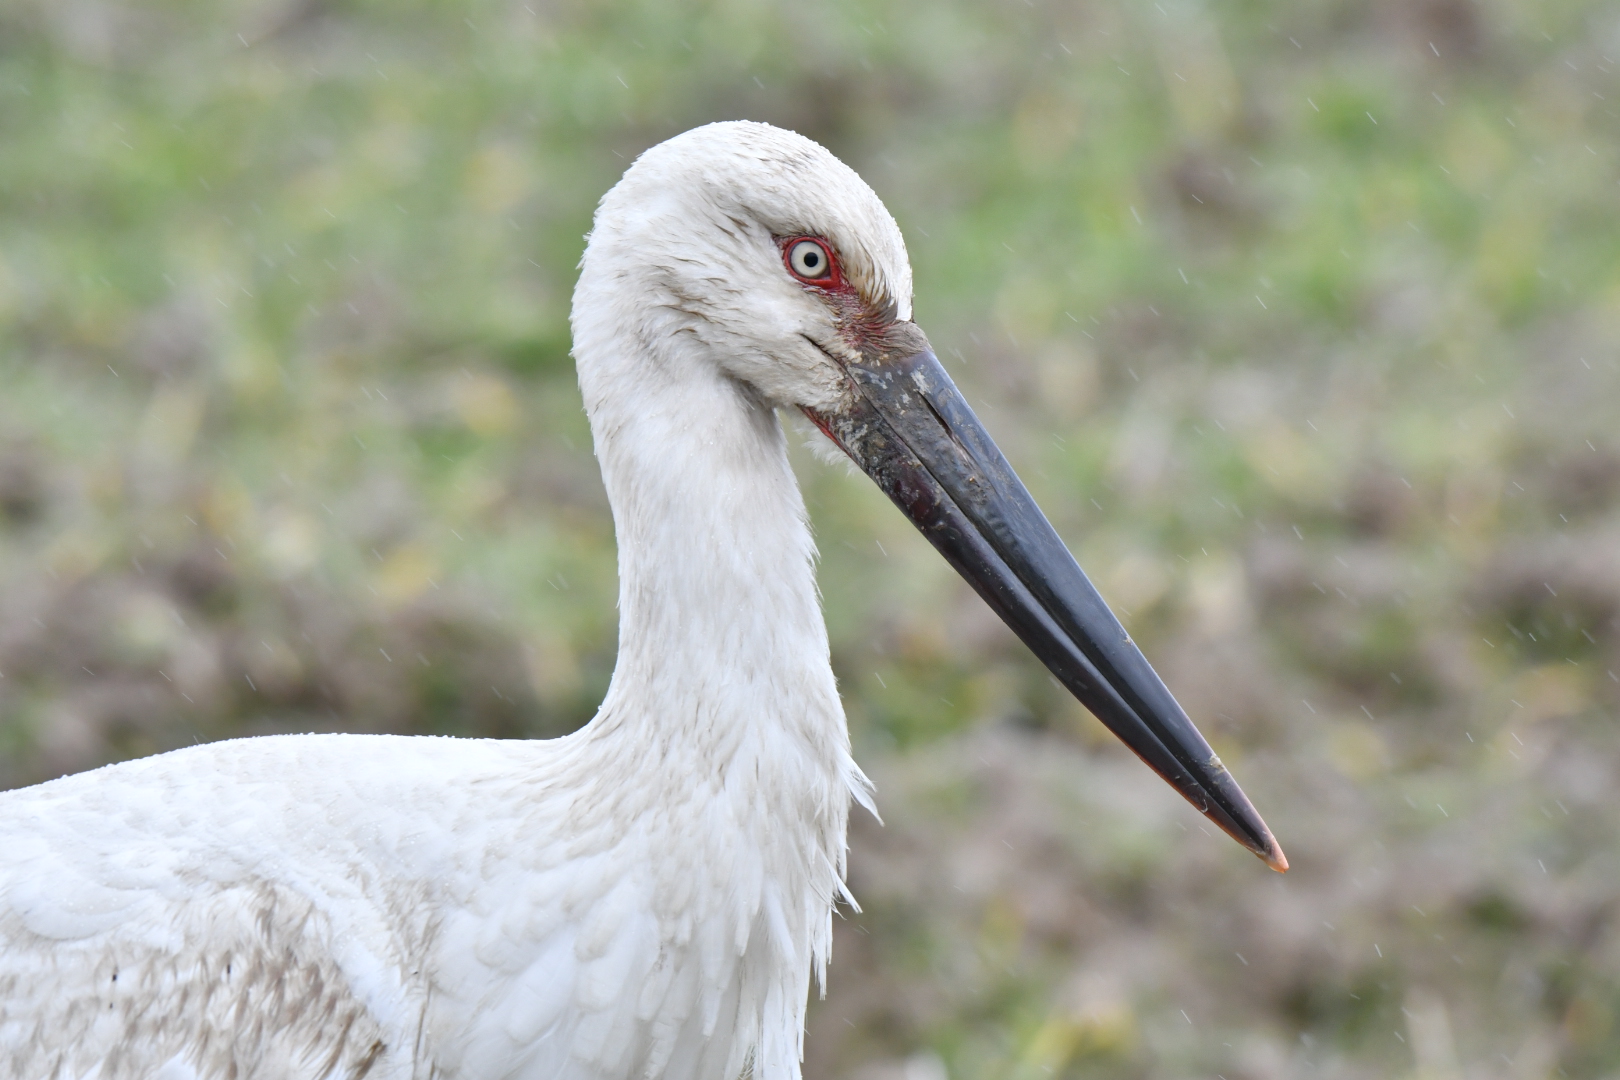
(1299, 319)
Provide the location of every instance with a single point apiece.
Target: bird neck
(723, 656)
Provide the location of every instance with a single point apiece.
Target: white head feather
(691, 233)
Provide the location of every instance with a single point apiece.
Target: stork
(649, 896)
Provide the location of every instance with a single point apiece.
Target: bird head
(759, 251)
(759, 247)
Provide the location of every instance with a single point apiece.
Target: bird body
(645, 897)
(649, 896)
(393, 907)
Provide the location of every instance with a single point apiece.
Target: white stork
(645, 898)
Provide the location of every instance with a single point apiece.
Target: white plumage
(644, 898)
(648, 897)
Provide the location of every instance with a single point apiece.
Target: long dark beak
(908, 427)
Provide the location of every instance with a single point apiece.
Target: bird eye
(809, 260)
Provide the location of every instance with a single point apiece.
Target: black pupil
(811, 258)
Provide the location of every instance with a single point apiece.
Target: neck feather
(723, 656)
(723, 718)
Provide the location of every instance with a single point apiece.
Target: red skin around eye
(833, 282)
